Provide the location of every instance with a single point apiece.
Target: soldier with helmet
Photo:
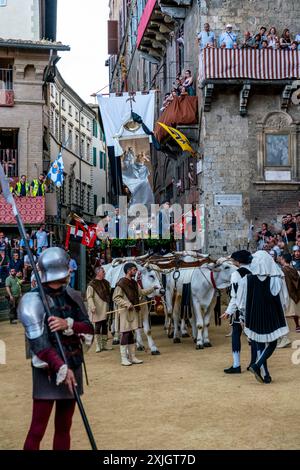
(53, 380)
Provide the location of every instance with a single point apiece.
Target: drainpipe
(82, 252)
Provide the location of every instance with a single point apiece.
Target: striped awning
(263, 64)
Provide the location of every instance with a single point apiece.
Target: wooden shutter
(112, 33)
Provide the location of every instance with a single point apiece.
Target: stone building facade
(240, 120)
(27, 64)
(75, 129)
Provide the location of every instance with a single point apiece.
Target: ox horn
(116, 261)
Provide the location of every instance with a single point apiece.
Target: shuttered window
(112, 36)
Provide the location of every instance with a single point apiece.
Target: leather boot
(131, 354)
(104, 344)
(124, 359)
(98, 339)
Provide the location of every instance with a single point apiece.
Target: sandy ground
(178, 400)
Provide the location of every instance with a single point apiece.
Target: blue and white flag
(56, 172)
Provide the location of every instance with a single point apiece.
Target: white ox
(149, 278)
(204, 282)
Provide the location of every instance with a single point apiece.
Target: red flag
(89, 237)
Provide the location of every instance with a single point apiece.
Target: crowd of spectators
(182, 86)
(286, 240)
(13, 254)
(262, 39)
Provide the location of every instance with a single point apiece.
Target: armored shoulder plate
(31, 313)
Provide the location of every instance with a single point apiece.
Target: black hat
(242, 256)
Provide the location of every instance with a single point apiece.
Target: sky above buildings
(83, 26)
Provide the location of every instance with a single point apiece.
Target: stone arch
(277, 120)
(280, 124)
(29, 72)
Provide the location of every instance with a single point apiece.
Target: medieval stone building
(246, 129)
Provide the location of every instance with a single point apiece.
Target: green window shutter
(104, 161)
(94, 156)
(95, 128)
(95, 203)
(101, 160)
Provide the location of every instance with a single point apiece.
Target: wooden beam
(244, 95)
(174, 12)
(207, 95)
(286, 96)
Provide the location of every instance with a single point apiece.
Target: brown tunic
(129, 319)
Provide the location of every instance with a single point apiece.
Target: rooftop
(28, 44)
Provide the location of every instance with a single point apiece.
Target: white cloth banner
(116, 111)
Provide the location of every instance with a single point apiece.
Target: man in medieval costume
(262, 298)
(53, 380)
(242, 259)
(127, 296)
(98, 299)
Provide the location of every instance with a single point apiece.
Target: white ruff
(269, 337)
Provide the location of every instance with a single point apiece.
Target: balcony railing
(9, 161)
(263, 64)
(6, 87)
(6, 79)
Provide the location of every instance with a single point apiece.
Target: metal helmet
(31, 313)
(53, 265)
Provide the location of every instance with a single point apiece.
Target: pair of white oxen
(204, 280)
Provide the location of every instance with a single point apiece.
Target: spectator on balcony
(177, 84)
(257, 42)
(262, 33)
(206, 38)
(188, 83)
(264, 44)
(38, 186)
(166, 102)
(248, 41)
(294, 46)
(272, 37)
(22, 188)
(228, 38)
(285, 40)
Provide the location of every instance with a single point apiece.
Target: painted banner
(31, 209)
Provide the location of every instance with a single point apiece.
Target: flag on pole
(56, 172)
(179, 137)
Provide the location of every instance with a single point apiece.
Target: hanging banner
(116, 112)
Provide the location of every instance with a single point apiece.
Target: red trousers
(40, 416)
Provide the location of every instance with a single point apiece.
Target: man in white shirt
(206, 38)
(228, 38)
(297, 39)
